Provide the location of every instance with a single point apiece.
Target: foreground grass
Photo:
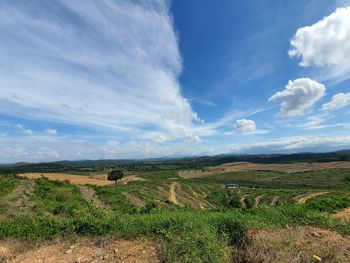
(187, 235)
(7, 184)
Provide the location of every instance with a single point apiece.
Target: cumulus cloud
(298, 96)
(325, 43)
(109, 64)
(338, 101)
(21, 129)
(51, 131)
(245, 126)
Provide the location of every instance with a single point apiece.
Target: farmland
(166, 215)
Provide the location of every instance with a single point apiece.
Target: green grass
(325, 179)
(187, 235)
(329, 204)
(57, 198)
(7, 183)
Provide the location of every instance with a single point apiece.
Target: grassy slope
(188, 235)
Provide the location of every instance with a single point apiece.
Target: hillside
(172, 218)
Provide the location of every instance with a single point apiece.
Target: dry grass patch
(74, 179)
(297, 245)
(345, 214)
(99, 179)
(245, 166)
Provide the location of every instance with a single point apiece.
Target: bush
(329, 204)
(224, 198)
(115, 175)
(7, 183)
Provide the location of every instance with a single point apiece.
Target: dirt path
(345, 213)
(172, 193)
(274, 200)
(134, 199)
(242, 201)
(19, 198)
(257, 200)
(91, 196)
(130, 178)
(310, 196)
(83, 250)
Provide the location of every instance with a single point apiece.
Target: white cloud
(114, 66)
(338, 101)
(23, 130)
(295, 144)
(50, 131)
(325, 43)
(49, 148)
(298, 96)
(245, 126)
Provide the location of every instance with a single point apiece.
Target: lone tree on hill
(115, 175)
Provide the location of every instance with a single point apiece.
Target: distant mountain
(85, 166)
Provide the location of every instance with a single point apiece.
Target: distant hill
(86, 166)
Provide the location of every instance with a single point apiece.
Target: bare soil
(245, 166)
(82, 250)
(257, 200)
(99, 179)
(274, 200)
(303, 199)
(172, 193)
(91, 196)
(297, 245)
(345, 214)
(134, 199)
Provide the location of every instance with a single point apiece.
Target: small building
(231, 186)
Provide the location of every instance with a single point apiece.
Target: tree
(115, 175)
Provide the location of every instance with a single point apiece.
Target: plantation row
(209, 223)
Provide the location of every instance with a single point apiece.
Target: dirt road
(310, 196)
(172, 193)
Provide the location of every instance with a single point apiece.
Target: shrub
(224, 198)
(115, 175)
(329, 204)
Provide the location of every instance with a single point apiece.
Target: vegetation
(209, 223)
(163, 164)
(115, 175)
(7, 184)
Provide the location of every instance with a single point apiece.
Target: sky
(131, 79)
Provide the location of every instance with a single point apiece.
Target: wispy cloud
(21, 129)
(110, 63)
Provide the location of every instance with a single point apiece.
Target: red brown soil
(99, 179)
(83, 250)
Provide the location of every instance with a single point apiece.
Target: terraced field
(194, 219)
(257, 188)
(246, 166)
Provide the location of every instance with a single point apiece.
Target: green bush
(7, 183)
(328, 204)
(224, 198)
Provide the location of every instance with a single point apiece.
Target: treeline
(90, 166)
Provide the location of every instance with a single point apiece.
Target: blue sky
(139, 79)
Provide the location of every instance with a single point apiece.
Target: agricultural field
(165, 216)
